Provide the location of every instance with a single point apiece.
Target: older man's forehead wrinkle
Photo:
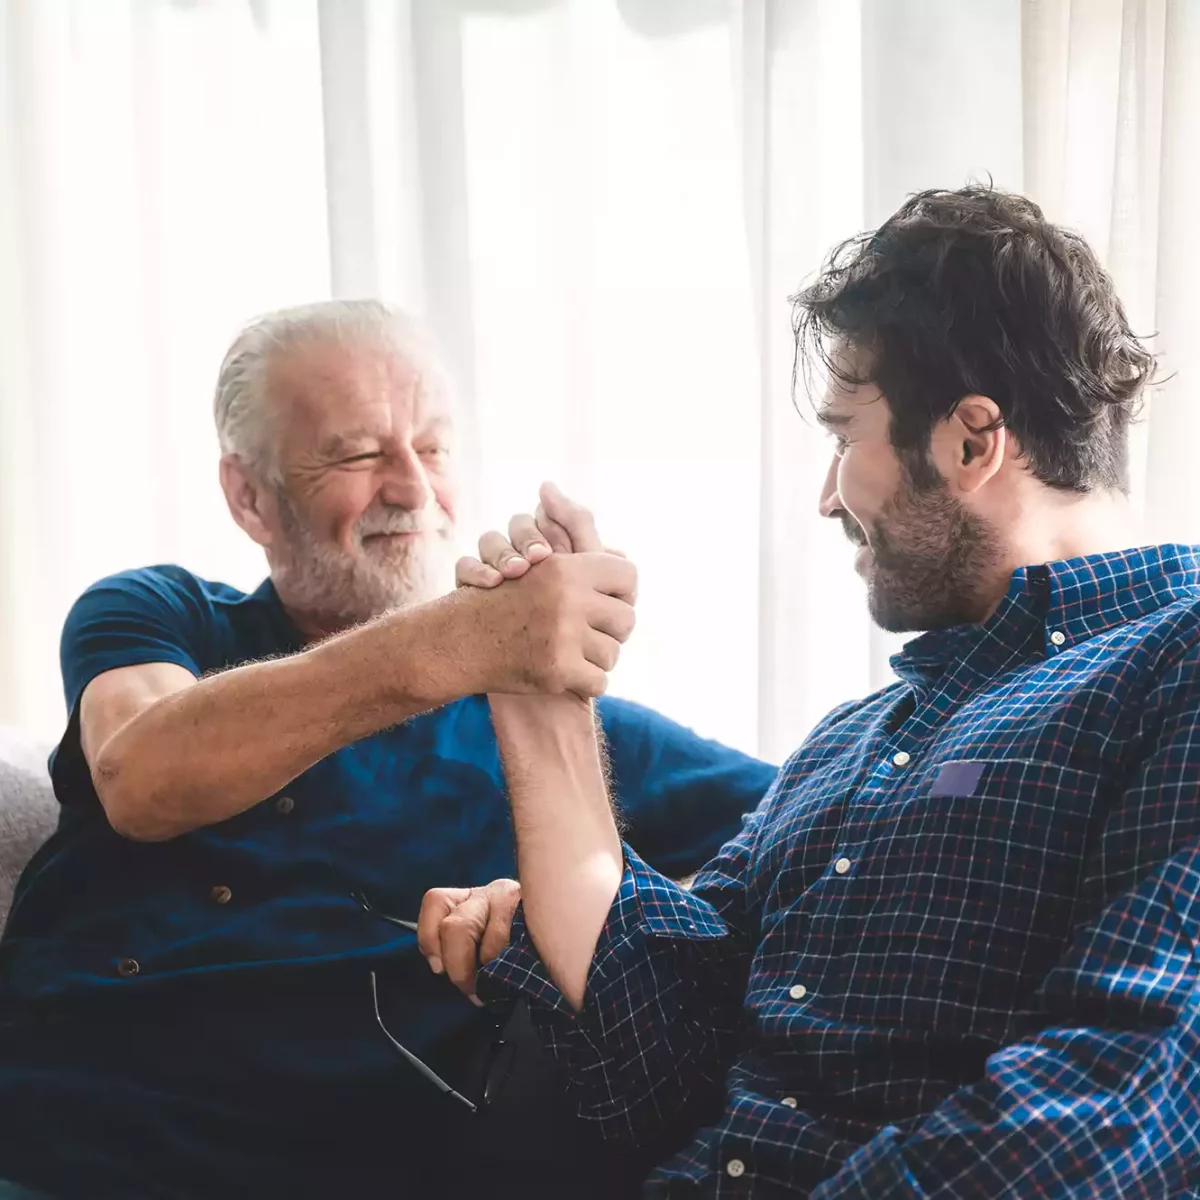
(432, 405)
(334, 366)
(338, 406)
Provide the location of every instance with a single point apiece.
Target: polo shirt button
(127, 968)
(789, 1102)
(284, 805)
(221, 894)
(842, 866)
(798, 991)
(735, 1168)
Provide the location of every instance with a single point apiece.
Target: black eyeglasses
(497, 1059)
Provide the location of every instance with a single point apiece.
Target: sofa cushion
(28, 809)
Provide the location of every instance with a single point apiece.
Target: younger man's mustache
(853, 530)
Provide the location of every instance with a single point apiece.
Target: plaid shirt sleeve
(664, 995)
(1099, 1094)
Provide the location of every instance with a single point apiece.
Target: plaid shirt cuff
(637, 1049)
(646, 905)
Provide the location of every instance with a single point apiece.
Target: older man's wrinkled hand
(556, 630)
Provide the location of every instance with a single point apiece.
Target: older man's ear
(250, 504)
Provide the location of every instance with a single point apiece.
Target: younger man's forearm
(569, 854)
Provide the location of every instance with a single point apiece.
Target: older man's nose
(830, 504)
(404, 482)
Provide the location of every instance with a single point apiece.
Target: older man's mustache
(431, 519)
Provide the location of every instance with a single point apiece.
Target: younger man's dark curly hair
(975, 292)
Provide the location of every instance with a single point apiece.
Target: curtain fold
(601, 207)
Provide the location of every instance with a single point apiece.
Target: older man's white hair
(241, 404)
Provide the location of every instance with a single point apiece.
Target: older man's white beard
(342, 588)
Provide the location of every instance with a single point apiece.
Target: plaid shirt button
(735, 1168)
(789, 1102)
(798, 992)
(902, 758)
(842, 866)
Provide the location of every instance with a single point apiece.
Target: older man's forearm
(569, 853)
(216, 748)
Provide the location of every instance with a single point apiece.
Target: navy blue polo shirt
(194, 1017)
(413, 807)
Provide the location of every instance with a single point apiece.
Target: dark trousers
(285, 1087)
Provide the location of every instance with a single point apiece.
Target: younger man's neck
(1065, 526)
(1072, 526)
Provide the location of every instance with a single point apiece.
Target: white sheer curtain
(601, 207)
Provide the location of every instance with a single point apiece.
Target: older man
(211, 981)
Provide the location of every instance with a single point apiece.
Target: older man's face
(366, 510)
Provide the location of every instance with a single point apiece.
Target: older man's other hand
(462, 929)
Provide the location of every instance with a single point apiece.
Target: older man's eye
(366, 456)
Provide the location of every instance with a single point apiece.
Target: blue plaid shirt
(953, 952)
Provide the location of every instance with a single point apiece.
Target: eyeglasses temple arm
(429, 1074)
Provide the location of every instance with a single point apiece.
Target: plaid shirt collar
(1052, 605)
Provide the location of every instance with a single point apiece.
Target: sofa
(28, 810)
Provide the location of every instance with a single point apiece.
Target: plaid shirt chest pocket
(969, 879)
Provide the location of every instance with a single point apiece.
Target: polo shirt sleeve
(681, 797)
(137, 617)
(152, 615)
